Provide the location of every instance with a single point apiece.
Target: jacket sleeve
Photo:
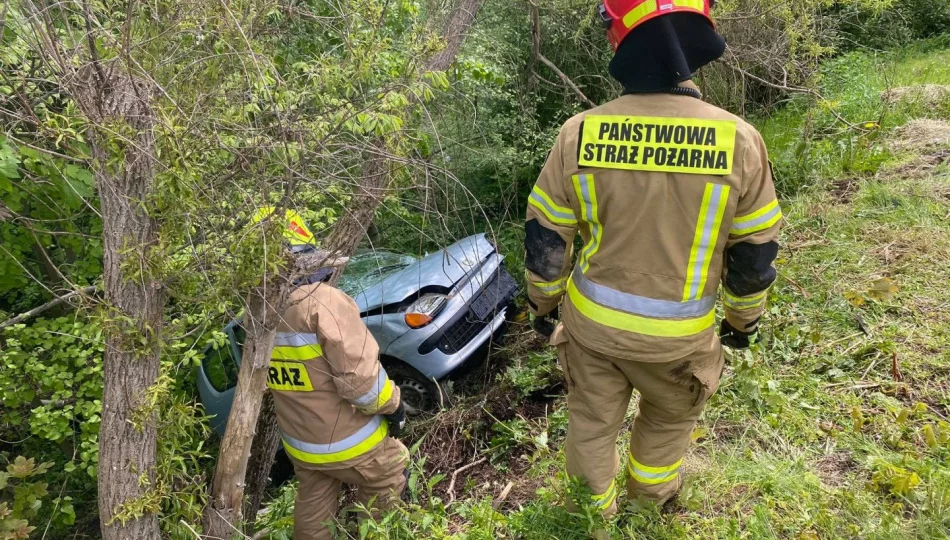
(352, 353)
(752, 246)
(549, 235)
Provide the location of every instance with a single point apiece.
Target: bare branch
(47, 306)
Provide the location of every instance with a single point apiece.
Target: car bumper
(474, 314)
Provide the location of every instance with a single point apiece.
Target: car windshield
(367, 269)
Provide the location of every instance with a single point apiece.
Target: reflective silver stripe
(293, 339)
(641, 305)
(552, 289)
(370, 397)
(654, 476)
(741, 227)
(607, 498)
(591, 219)
(709, 223)
(554, 212)
(745, 304)
(361, 435)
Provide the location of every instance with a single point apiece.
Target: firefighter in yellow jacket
(336, 406)
(672, 197)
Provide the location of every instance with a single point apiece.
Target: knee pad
(544, 250)
(750, 267)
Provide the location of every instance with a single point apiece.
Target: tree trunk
(265, 446)
(127, 437)
(223, 516)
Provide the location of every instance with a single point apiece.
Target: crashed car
(434, 318)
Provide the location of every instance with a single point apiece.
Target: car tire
(419, 394)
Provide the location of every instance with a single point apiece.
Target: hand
(737, 339)
(396, 420)
(543, 324)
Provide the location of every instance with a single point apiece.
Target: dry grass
(921, 134)
(927, 95)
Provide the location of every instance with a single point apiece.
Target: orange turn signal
(417, 320)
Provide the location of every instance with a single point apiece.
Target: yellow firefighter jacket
(329, 387)
(671, 196)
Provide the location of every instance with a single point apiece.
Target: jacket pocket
(559, 339)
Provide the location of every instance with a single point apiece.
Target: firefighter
(337, 409)
(672, 197)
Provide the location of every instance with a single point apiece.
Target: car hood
(444, 268)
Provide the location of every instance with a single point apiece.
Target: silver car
(434, 318)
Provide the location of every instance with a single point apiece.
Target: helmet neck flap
(659, 43)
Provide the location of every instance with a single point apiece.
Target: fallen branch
(47, 306)
(536, 49)
(261, 534)
(797, 89)
(566, 80)
(451, 490)
(503, 495)
(796, 284)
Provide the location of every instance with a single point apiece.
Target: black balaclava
(665, 51)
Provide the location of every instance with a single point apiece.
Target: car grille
(460, 333)
(490, 300)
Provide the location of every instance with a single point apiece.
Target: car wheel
(419, 395)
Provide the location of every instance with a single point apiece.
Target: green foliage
(38, 190)
(897, 24)
(22, 496)
(534, 373)
(809, 144)
(51, 385)
(518, 434)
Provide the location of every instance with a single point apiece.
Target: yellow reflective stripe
(713, 240)
(740, 303)
(761, 219)
(634, 323)
(697, 243)
(652, 475)
(555, 213)
(639, 12)
(691, 4)
(357, 450)
(587, 195)
(548, 288)
(303, 352)
(705, 238)
(606, 499)
(381, 399)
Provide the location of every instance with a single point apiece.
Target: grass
(836, 426)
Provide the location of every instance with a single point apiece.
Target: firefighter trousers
(378, 474)
(672, 396)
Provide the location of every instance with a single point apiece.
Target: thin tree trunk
(224, 513)
(265, 446)
(127, 438)
(121, 120)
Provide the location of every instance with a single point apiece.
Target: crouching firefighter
(672, 197)
(336, 406)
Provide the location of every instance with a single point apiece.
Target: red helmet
(620, 17)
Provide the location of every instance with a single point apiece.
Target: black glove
(544, 324)
(737, 339)
(396, 420)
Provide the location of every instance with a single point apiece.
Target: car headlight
(424, 310)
